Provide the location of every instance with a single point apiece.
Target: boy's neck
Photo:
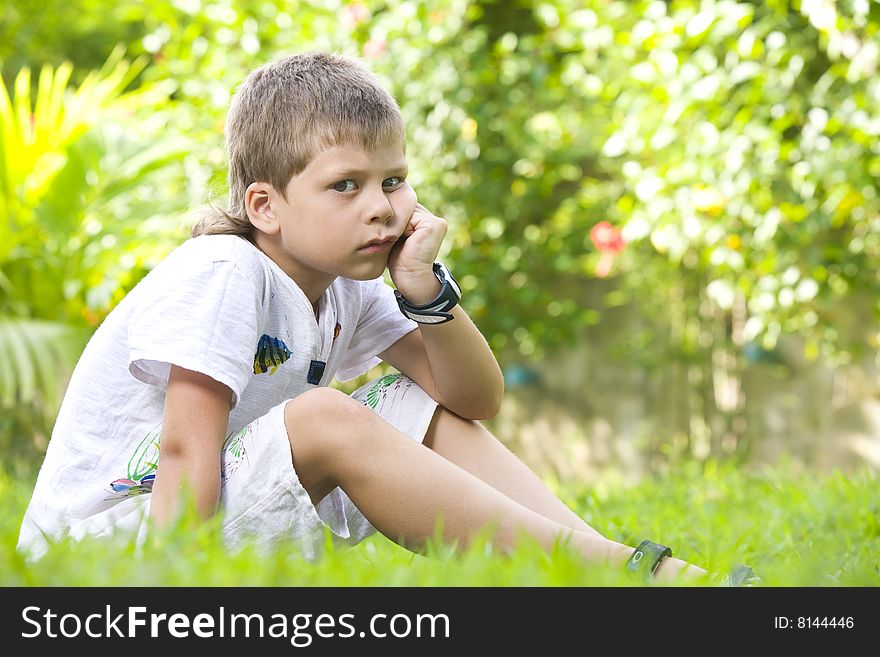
(313, 289)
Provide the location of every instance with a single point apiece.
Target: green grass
(794, 528)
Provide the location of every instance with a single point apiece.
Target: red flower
(607, 238)
(609, 241)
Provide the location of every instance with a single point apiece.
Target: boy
(220, 358)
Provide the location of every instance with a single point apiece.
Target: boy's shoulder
(218, 248)
(209, 249)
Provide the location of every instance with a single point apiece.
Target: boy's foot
(654, 562)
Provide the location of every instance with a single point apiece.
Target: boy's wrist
(420, 288)
(437, 308)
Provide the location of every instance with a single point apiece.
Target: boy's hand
(412, 258)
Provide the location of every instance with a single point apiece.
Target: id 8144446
(812, 622)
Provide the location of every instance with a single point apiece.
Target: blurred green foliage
(733, 144)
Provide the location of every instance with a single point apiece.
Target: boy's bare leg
(471, 446)
(402, 486)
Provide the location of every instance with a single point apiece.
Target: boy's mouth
(378, 245)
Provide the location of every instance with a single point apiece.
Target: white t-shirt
(216, 305)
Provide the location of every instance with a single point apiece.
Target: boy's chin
(368, 271)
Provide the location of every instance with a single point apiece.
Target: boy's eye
(344, 184)
(349, 185)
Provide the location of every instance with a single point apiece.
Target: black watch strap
(436, 311)
(647, 556)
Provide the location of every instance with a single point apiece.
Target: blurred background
(664, 215)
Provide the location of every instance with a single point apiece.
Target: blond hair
(285, 113)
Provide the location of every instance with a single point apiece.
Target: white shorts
(261, 498)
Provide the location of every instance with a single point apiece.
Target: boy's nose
(381, 209)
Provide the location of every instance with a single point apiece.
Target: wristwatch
(436, 311)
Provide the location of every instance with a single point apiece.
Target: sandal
(647, 557)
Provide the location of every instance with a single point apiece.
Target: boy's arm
(193, 429)
(451, 361)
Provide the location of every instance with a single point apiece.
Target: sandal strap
(649, 553)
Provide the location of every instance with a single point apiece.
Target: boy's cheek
(408, 200)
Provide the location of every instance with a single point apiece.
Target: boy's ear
(259, 198)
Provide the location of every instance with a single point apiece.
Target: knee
(312, 420)
(319, 409)
(327, 417)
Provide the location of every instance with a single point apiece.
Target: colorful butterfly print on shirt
(271, 353)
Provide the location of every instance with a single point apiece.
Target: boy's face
(337, 208)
